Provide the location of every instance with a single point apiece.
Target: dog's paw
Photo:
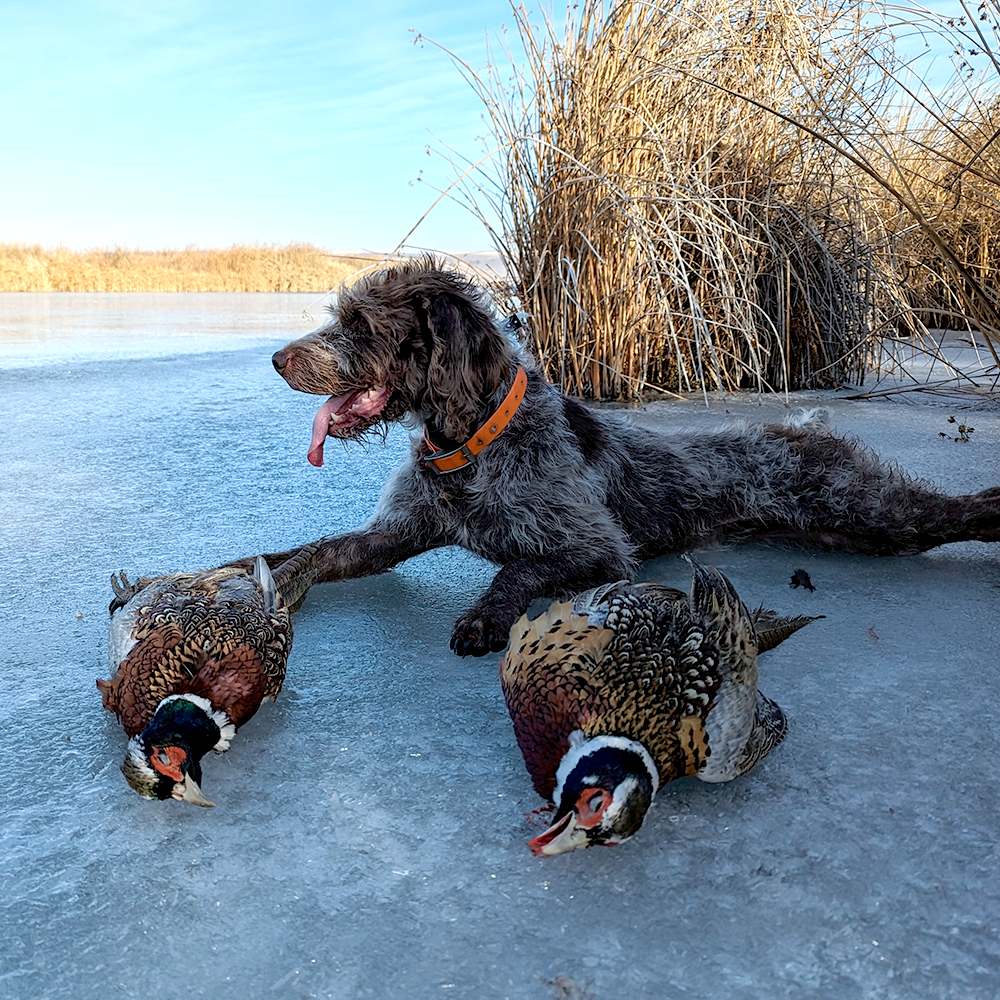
(478, 635)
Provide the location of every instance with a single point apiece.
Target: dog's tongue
(321, 424)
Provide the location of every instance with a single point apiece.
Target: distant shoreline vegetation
(297, 267)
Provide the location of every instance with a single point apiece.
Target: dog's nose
(279, 359)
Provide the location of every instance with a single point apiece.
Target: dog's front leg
(338, 557)
(485, 626)
(341, 557)
(359, 553)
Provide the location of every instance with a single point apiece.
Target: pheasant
(628, 686)
(193, 656)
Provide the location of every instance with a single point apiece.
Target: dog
(560, 495)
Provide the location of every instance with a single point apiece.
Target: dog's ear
(469, 359)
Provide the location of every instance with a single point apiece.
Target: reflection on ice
(41, 328)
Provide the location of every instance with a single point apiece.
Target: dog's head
(412, 338)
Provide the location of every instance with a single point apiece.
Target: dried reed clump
(948, 162)
(675, 208)
(927, 162)
(293, 268)
(665, 234)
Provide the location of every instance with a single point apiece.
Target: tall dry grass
(681, 203)
(936, 177)
(961, 203)
(298, 267)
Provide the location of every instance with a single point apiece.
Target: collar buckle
(444, 463)
(448, 462)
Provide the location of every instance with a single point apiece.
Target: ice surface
(42, 328)
(370, 833)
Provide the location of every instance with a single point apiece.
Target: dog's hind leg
(937, 519)
(927, 520)
(844, 498)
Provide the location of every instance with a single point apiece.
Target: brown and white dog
(562, 496)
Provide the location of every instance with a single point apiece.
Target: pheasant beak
(577, 828)
(188, 791)
(563, 836)
(171, 761)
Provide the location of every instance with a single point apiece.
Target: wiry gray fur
(569, 497)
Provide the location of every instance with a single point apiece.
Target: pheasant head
(604, 786)
(164, 760)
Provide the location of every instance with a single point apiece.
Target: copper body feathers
(676, 672)
(218, 634)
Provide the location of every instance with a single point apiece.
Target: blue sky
(167, 123)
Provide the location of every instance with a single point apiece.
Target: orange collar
(451, 461)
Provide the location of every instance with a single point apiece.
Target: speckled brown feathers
(209, 634)
(648, 663)
(551, 679)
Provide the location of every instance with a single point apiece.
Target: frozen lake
(370, 833)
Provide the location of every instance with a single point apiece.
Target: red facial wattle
(168, 760)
